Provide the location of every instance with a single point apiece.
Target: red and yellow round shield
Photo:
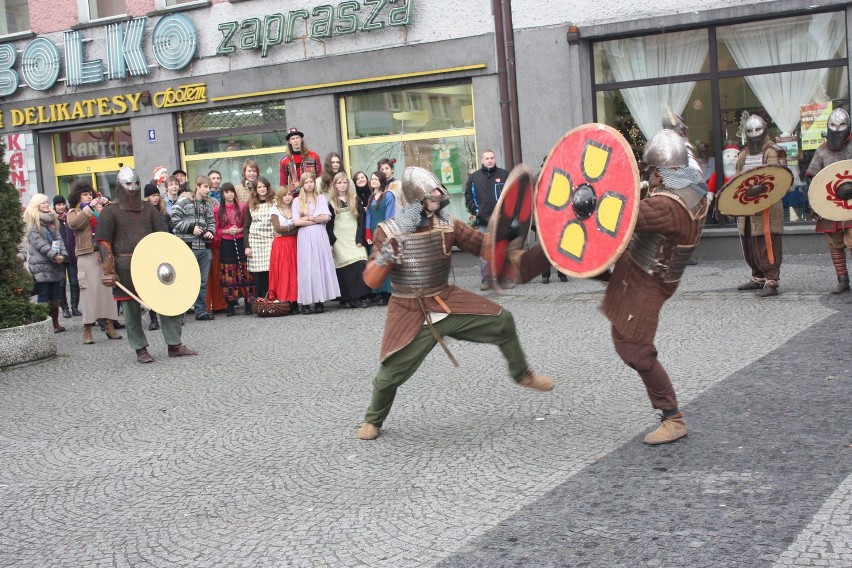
(510, 222)
(587, 200)
(822, 194)
(754, 190)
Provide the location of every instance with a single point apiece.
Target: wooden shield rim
(723, 197)
(514, 176)
(617, 136)
(149, 253)
(818, 195)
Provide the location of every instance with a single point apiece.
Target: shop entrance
(94, 153)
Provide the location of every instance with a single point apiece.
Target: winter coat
(41, 255)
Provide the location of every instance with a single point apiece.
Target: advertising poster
(814, 124)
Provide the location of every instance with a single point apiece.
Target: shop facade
(208, 85)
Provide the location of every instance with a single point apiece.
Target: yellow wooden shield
(822, 194)
(587, 200)
(754, 190)
(165, 274)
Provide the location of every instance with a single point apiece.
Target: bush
(16, 284)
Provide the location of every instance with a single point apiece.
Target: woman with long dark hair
(381, 206)
(234, 278)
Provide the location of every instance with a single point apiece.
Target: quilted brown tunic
(405, 318)
(633, 298)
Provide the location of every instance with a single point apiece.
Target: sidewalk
(246, 455)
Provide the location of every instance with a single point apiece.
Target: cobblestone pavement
(246, 455)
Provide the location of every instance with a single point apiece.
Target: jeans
(204, 258)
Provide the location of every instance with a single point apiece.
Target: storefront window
(428, 127)
(800, 39)
(223, 139)
(14, 16)
(651, 57)
(638, 88)
(92, 144)
(106, 8)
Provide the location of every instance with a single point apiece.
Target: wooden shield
(510, 222)
(736, 199)
(822, 194)
(165, 274)
(583, 240)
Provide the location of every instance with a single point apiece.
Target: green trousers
(398, 368)
(170, 325)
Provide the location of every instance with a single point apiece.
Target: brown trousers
(757, 255)
(642, 357)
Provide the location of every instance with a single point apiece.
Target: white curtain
(792, 40)
(648, 57)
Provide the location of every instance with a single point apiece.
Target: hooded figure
(128, 190)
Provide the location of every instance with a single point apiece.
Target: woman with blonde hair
(283, 271)
(348, 241)
(46, 254)
(315, 265)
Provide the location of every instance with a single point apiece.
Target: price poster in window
(814, 124)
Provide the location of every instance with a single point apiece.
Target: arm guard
(107, 263)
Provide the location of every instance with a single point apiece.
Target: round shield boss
(754, 190)
(587, 200)
(510, 221)
(165, 274)
(822, 194)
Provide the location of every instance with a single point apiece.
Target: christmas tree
(16, 284)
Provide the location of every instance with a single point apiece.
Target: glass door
(94, 153)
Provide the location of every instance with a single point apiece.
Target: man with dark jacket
(480, 195)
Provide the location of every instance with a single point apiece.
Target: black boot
(319, 308)
(75, 300)
(842, 284)
(294, 308)
(155, 322)
(247, 307)
(230, 310)
(63, 300)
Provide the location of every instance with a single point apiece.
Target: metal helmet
(838, 129)
(755, 130)
(676, 122)
(128, 190)
(418, 184)
(667, 152)
(666, 149)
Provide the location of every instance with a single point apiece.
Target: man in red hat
(298, 160)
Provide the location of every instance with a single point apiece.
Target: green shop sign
(347, 17)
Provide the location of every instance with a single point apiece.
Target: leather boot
(768, 291)
(536, 382)
(750, 285)
(110, 330)
(181, 350)
(87, 334)
(842, 284)
(53, 310)
(230, 311)
(247, 307)
(143, 356)
(671, 429)
(368, 431)
(63, 304)
(154, 324)
(75, 300)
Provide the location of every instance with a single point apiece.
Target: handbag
(269, 307)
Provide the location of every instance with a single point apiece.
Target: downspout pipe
(503, 84)
(512, 80)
